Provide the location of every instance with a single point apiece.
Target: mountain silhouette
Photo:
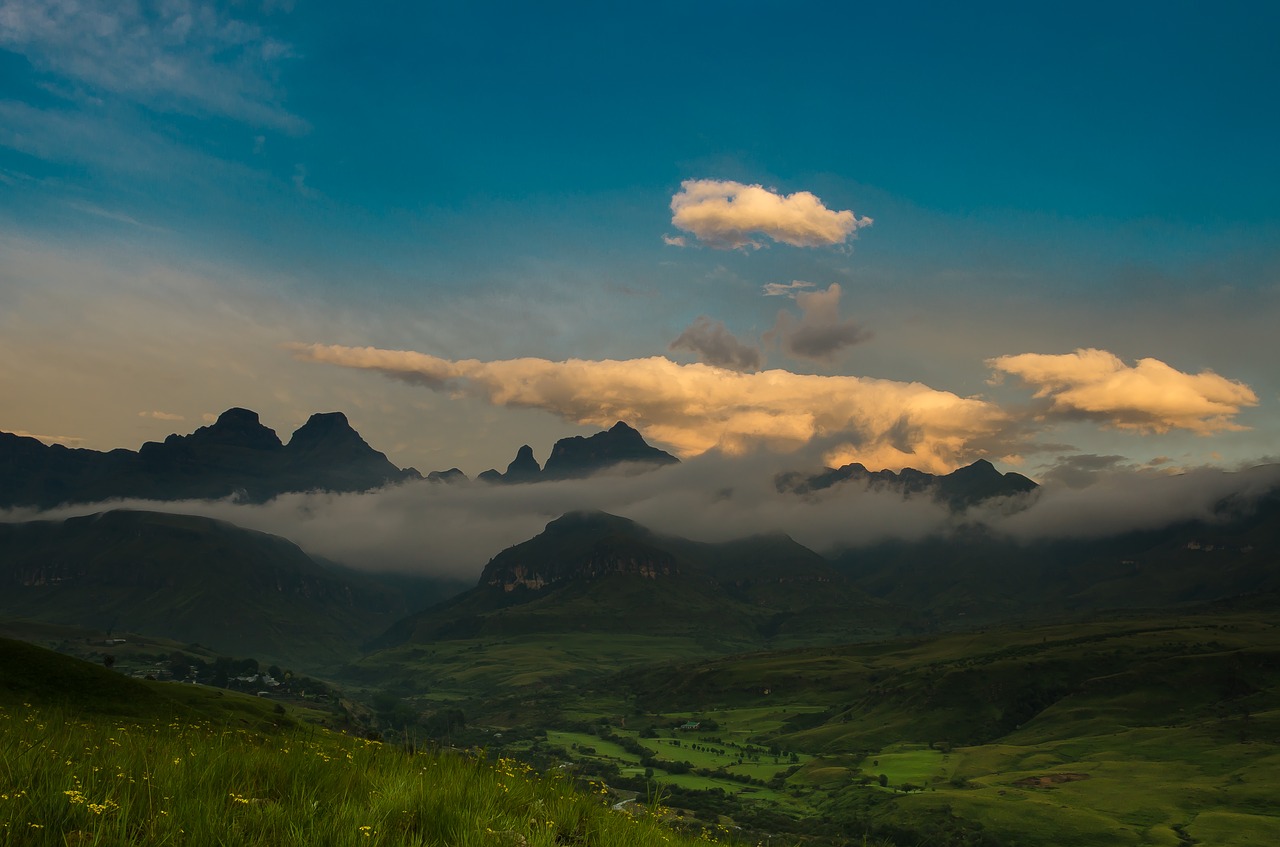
(234, 456)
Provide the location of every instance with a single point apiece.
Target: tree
(884, 781)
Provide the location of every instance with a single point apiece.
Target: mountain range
(234, 456)
(237, 456)
(195, 579)
(959, 489)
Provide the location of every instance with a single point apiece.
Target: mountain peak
(578, 457)
(328, 428)
(237, 427)
(593, 518)
(523, 468)
(328, 421)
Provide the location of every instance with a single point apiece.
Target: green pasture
(913, 764)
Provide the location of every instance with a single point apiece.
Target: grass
(69, 780)
(913, 764)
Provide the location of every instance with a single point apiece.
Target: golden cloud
(1148, 397)
(726, 214)
(694, 408)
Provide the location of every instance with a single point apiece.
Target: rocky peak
(236, 427)
(578, 456)
(523, 468)
(328, 432)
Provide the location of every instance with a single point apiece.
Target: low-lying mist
(451, 531)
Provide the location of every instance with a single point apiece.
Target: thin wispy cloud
(188, 57)
(1148, 397)
(785, 289)
(727, 215)
(161, 416)
(64, 440)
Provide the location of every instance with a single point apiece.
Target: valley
(969, 690)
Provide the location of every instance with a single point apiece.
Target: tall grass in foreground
(68, 781)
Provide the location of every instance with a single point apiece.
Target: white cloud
(695, 408)
(726, 215)
(161, 416)
(785, 289)
(1147, 397)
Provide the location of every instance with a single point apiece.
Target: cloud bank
(727, 215)
(1148, 397)
(453, 530)
(716, 345)
(696, 407)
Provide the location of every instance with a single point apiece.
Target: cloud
(161, 416)
(1082, 469)
(64, 440)
(785, 289)
(1122, 499)
(674, 240)
(185, 57)
(710, 498)
(1148, 397)
(715, 345)
(300, 182)
(696, 407)
(725, 215)
(820, 333)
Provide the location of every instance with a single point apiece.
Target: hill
(976, 575)
(595, 572)
(91, 757)
(191, 579)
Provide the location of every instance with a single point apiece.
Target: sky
(796, 234)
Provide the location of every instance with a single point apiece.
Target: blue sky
(193, 195)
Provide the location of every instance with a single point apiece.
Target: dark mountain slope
(190, 579)
(594, 572)
(983, 576)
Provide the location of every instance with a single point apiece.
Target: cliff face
(603, 563)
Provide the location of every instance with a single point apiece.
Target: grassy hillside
(1142, 729)
(73, 770)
